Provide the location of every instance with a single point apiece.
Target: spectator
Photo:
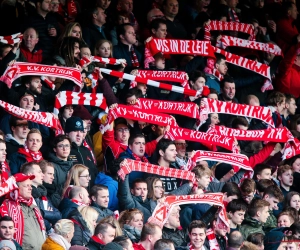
(124, 241)
(100, 197)
(262, 172)
(149, 235)
(197, 234)
(292, 199)
(61, 237)
(235, 241)
(65, 112)
(69, 51)
(257, 239)
(248, 189)
(27, 217)
(285, 177)
(236, 210)
(285, 219)
(132, 223)
(127, 7)
(104, 234)
(289, 110)
(7, 231)
(276, 102)
(71, 29)
(163, 244)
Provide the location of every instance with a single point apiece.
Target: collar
(96, 239)
(171, 230)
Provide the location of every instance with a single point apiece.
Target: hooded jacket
(103, 212)
(251, 226)
(82, 233)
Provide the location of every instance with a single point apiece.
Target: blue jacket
(16, 160)
(66, 207)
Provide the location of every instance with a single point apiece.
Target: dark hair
(286, 6)
(148, 229)
(163, 144)
(138, 180)
(6, 218)
(66, 50)
(59, 139)
(262, 185)
(226, 79)
(27, 167)
(288, 197)
(219, 57)
(156, 22)
(239, 121)
(274, 98)
(231, 189)
(102, 227)
(213, 91)
(289, 97)
(259, 168)
(195, 74)
(274, 191)
(235, 239)
(163, 244)
(121, 29)
(295, 228)
(114, 166)
(133, 137)
(196, 224)
(122, 241)
(134, 91)
(3, 47)
(256, 239)
(236, 205)
(248, 186)
(96, 188)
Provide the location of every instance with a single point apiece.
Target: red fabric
(233, 14)
(158, 75)
(5, 171)
(96, 239)
(288, 79)
(211, 237)
(31, 57)
(30, 155)
(112, 61)
(12, 39)
(137, 246)
(72, 9)
(79, 203)
(210, 69)
(85, 144)
(50, 84)
(262, 155)
(286, 33)
(134, 60)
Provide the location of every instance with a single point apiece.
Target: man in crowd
(7, 231)
(290, 109)
(197, 235)
(28, 51)
(104, 234)
(149, 235)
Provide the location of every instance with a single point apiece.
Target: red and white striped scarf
(135, 114)
(231, 12)
(127, 166)
(210, 69)
(12, 39)
(12, 207)
(134, 60)
(212, 240)
(77, 202)
(30, 155)
(74, 98)
(112, 61)
(19, 69)
(44, 118)
(231, 26)
(48, 82)
(85, 144)
(5, 171)
(230, 41)
(94, 76)
(189, 92)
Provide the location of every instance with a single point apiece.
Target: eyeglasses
(63, 146)
(123, 130)
(86, 176)
(160, 187)
(181, 144)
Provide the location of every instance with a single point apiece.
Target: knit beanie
(273, 238)
(7, 243)
(112, 246)
(81, 112)
(222, 169)
(74, 123)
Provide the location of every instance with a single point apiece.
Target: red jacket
(286, 33)
(32, 57)
(288, 79)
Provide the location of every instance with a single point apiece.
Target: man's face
(85, 52)
(232, 3)
(161, 32)
(27, 102)
(7, 230)
(228, 91)
(126, 6)
(68, 111)
(122, 133)
(21, 130)
(154, 14)
(180, 148)
(45, 5)
(291, 107)
(173, 220)
(170, 154)
(34, 142)
(237, 217)
(197, 237)
(248, 197)
(286, 178)
(39, 176)
(265, 174)
(293, 12)
(171, 8)
(76, 136)
(63, 149)
(264, 214)
(49, 175)
(138, 146)
(109, 235)
(2, 152)
(30, 38)
(85, 197)
(35, 85)
(140, 189)
(100, 16)
(129, 37)
(273, 202)
(222, 67)
(25, 189)
(102, 198)
(104, 4)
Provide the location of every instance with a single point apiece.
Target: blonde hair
(63, 227)
(68, 31)
(73, 176)
(99, 43)
(113, 221)
(89, 214)
(128, 215)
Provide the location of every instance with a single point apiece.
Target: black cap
(74, 124)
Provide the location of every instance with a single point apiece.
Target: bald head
(252, 100)
(235, 239)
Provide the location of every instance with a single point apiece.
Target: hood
(11, 139)
(52, 158)
(106, 180)
(252, 222)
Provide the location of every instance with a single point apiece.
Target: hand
(272, 25)
(207, 23)
(16, 47)
(52, 32)
(161, 200)
(113, 106)
(186, 76)
(11, 62)
(134, 72)
(36, 107)
(148, 39)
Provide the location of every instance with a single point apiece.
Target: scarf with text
(233, 17)
(12, 39)
(72, 9)
(188, 109)
(270, 134)
(257, 67)
(50, 84)
(98, 59)
(182, 47)
(45, 118)
(64, 98)
(231, 26)
(12, 207)
(216, 106)
(85, 144)
(185, 91)
(5, 171)
(19, 69)
(30, 155)
(127, 166)
(197, 136)
(163, 210)
(135, 114)
(230, 41)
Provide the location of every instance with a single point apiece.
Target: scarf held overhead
(19, 69)
(12, 39)
(112, 61)
(216, 106)
(74, 98)
(44, 118)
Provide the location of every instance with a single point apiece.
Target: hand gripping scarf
(12, 39)
(19, 69)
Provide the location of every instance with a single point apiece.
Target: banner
(229, 41)
(44, 118)
(19, 69)
(136, 114)
(74, 98)
(216, 106)
(270, 134)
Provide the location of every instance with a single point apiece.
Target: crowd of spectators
(64, 191)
